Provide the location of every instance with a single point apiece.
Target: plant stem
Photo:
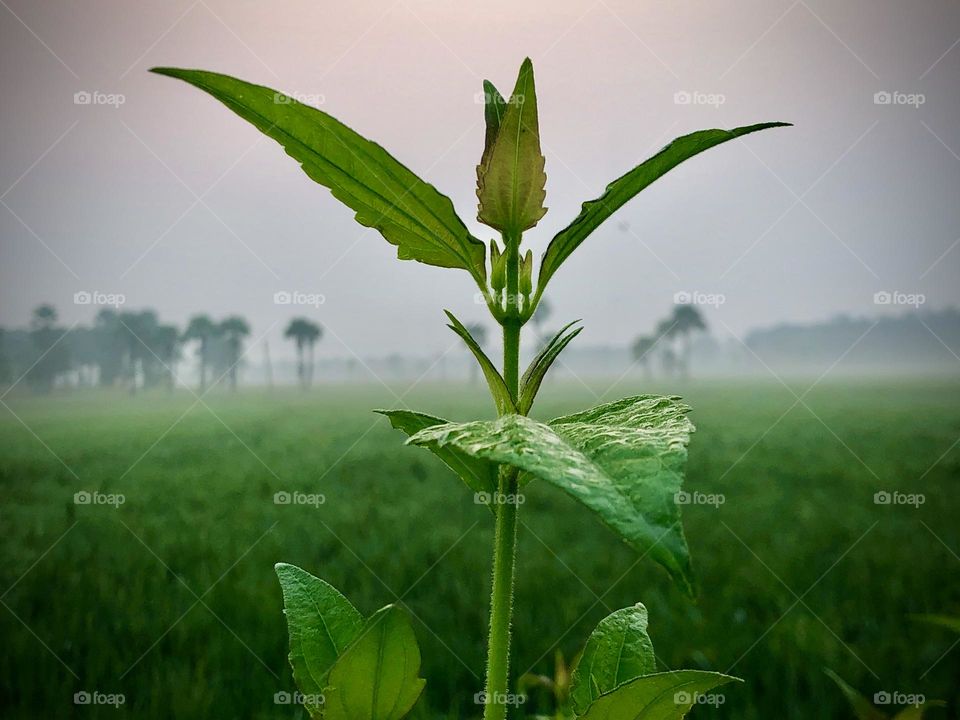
(505, 534)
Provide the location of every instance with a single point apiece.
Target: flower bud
(498, 268)
(526, 274)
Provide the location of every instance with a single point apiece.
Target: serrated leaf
(479, 475)
(617, 651)
(661, 696)
(321, 623)
(498, 386)
(624, 188)
(376, 678)
(510, 176)
(534, 375)
(862, 707)
(409, 212)
(623, 460)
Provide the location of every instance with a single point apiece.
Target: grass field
(171, 599)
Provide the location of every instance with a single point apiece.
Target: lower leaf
(661, 696)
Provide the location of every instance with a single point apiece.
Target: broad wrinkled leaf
(409, 212)
(321, 623)
(534, 375)
(661, 696)
(623, 460)
(626, 187)
(510, 176)
(377, 677)
(498, 386)
(862, 708)
(479, 475)
(618, 650)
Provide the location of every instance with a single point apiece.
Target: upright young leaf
(862, 707)
(498, 386)
(494, 106)
(377, 677)
(662, 696)
(510, 176)
(623, 460)
(534, 375)
(321, 623)
(409, 212)
(479, 475)
(626, 187)
(618, 650)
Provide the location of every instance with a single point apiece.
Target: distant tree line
(134, 350)
(671, 342)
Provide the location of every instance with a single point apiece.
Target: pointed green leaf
(376, 678)
(479, 475)
(321, 622)
(494, 107)
(862, 707)
(623, 460)
(498, 386)
(916, 712)
(661, 696)
(510, 177)
(409, 212)
(951, 622)
(534, 375)
(624, 188)
(618, 650)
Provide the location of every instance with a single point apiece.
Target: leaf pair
(348, 668)
(623, 460)
(411, 213)
(616, 677)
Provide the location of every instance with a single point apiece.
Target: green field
(171, 598)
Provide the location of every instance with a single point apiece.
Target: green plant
(863, 709)
(624, 460)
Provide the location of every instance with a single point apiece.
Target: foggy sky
(794, 224)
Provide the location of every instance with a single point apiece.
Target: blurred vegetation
(800, 570)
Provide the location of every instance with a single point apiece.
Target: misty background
(795, 244)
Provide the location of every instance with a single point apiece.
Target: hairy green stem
(505, 534)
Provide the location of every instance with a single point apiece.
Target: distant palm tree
(234, 329)
(202, 330)
(687, 321)
(136, 330)
(305, 333)
(665, 334)
(53, 357)
(642, 353)
(479, 333)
